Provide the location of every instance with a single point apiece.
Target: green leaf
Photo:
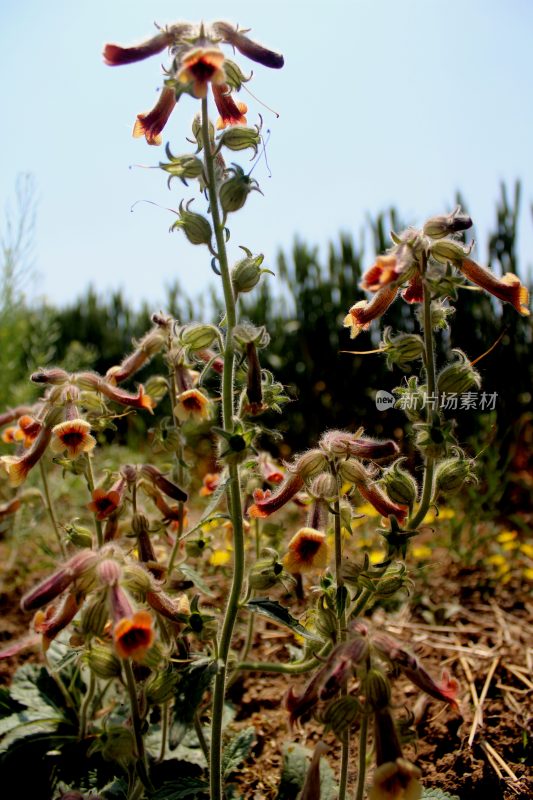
(296, 760)
(8, 704)
(194, 681)
(274, 610)
(438, 794)
(185, 788)
(192, 575)
(237, 750)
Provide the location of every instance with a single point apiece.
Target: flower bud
(235, 77)
(137, 578)
(116, 743)
(109, 572)
(402, 348)
(449, 250)
(458, 377)
(326, 623)
(234, 191)
(197, 336)
(160, 687)
(197, 131)
(353, 471)
(195, 227)
(266, 572)
(94, 616)
(399, 484)
(341, 714)
(411, 399)
(103, 662)
(309, 464)
(53, 376)
(79, 536)
(240, 138)
(245, 333)
(247, 272)
(195, 547)
(323, 486)
(182, 167)
(377, 689)
(395, 579)
(452, 474)
(446, 224)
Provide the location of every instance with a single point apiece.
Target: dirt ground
(479, 630)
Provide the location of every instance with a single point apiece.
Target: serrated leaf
(185, 789)
(25, 724)
(8, 704)
(434, 793)
(237, 750)
(296, 760)
(275, 611)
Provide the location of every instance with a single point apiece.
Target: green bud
(446, 224)
(235, 77)
(399, 484)
(195, 547)
(340, 714)
(458, 377)
(137, 579)
(103, 662)
(440, 312)
(79, 536)
(246, 273)
(309, 464)
(195, 227)
(94, 616)
(452, 474)
(411, 399)
(240, 138)
(160, 687)
(183, 167)
(246, 333)
(324, 486)
(197, 131)
(197, 336)
(235, 190)
(353, 471)
(266, 572)
(116, 743)
(402, 348)
(377, 689)
(156, 386)
(449, 250)
(326, 622)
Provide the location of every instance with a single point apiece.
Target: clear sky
(381, 102)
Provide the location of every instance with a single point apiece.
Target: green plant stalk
(90, 483)
(251, 619)
(233, 489)
(165, 713)
(142, 763)
(50, 509)
(87, 700)
(179, 475)
(345, 752)
(431, 376)
(363, 738)
(201, 738)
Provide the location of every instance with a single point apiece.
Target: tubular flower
(343, 443)
(382, 272)
(210, 482)
(307, 551)
(395, 778)
(192, 405)
(104, 503)
(231, 113)
(95, 383)
(201, 66)
(363, 312)
(163, 484)
(73, 436)
(198, 62)
(266, 503)
(133, 636)
(509, 289)
(414, 291)
(381, 502)
(18, 467)
(76, 567)
(151, 123)
(11, 435)
(52, 621)
(29, 428)
(14, 413)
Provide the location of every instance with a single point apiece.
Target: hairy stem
(90, 483)
(142, 764)
(361, 775)
(345, 753)
(233, 489)
(50, 509)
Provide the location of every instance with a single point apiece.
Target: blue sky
(381, 102)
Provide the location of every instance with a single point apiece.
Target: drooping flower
(104, 503)
(231, 113)
(382, 272)
(364, 311)
(29, 428)
(92, 382)
(202, 66)
(376, 497)
(307, 551)
(51, 587)
(73, 436)
(151, 123)
(509, 289)
(395, 778)
(133, 636)
(12, 435)
(192, 405)
(210, 482)
(18, 467)
(266, 502)
(52, 621)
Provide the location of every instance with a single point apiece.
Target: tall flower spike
(509, 288)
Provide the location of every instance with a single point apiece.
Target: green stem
(345, 753)
(363, 737)
(297, 668)
(431, 378)
(179, 472)
(50, 509)
(233, 489)
(165, 712)
(251, 618)
(201, 738)
(90, 483)
(142, 763)
(84, 711)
